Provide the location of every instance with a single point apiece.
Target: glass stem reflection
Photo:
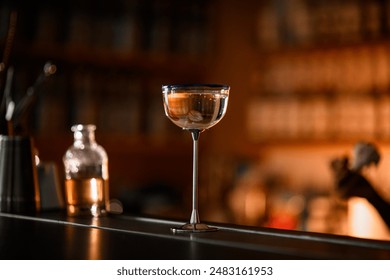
(195, 214)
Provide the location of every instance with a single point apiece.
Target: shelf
(322, 24)
(121, 143)
(164, 64)
(307, 50)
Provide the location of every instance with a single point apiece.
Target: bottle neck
(84, 135)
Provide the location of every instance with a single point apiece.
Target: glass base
(198, 227)
(93, 210)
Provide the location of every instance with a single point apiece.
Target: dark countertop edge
(296, 234)
(280, 233)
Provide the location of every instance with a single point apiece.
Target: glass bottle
(86, 174)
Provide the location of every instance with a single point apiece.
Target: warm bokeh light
(364, 221)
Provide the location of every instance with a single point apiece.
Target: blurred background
(309, 78)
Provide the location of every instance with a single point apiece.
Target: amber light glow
(364, 221)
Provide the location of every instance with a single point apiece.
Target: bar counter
(116, 237)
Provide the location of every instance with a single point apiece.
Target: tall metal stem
(195, 214)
